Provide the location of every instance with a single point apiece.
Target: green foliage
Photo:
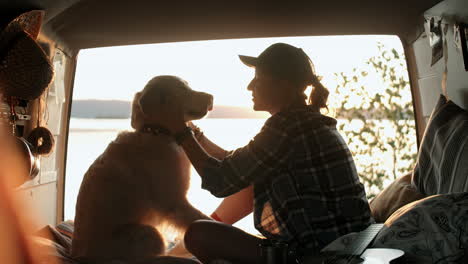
(375, 106)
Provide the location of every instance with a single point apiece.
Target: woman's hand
(191, 125)
(196, 130)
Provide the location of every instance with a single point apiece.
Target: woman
(306, 188)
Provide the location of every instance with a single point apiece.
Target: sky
(117, 73)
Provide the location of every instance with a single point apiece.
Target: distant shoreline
(208, 117)
(114, 109)
(93, 130)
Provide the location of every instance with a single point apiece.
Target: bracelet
(182, 135)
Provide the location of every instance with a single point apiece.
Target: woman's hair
(319, 95)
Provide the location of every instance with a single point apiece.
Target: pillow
(62, 234)
(434, 229)
(66, 228)
(397, 194)
(50, 252)
(441, 165)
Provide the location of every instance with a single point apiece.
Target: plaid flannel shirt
(306, 188)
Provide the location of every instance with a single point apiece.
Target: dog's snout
(199, 105)
(210, 102)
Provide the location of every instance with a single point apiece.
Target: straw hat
(25, 70)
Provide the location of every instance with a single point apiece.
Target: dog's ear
(150, 99)
(138, 119)
(146, 101)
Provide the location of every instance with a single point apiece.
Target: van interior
(433, 34)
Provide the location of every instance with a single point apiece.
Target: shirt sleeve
(268, 151)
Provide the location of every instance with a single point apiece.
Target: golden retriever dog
(137, 188)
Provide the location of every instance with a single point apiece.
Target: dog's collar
(156, 130)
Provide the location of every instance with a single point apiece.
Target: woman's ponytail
(319, 94)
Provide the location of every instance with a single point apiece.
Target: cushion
(441, 164)
(60, 239)
(61, 235)
(397, 194)
(434, 229)
(55, 242)
(50, 252)
(66, 228)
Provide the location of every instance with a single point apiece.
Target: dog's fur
(138, 186)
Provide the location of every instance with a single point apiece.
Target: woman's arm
(235, 207)
(210, 147)
(263, 155)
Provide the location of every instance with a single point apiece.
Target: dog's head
(169, 90)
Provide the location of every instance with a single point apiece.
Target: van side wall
(428, 79)
(45, 193)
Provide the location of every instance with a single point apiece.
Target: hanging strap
(351, 254)
(363, 239)
(445, 55)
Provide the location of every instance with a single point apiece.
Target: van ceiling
(98, 23)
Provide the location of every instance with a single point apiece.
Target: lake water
(89, 137)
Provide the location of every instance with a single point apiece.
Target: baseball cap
(283, 61)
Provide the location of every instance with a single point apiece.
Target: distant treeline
(122, 109)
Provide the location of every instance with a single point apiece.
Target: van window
(366, 75)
